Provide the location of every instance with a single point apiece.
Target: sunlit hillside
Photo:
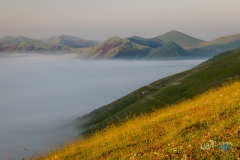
(205, 127)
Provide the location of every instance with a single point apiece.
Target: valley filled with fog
(41, 94)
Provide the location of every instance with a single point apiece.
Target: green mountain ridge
(169, 90)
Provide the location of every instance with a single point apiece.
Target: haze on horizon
(98, 20)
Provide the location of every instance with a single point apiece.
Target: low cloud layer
(41, 94)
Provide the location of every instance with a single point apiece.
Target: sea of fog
(41, 94)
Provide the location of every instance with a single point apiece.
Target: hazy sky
(101, 19)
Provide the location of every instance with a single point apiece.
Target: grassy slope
(216, 71)
(179, 38)
(181, 131)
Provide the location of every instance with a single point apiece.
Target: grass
(161, 93)
(205, 127)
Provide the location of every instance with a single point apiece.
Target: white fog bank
(39, 94)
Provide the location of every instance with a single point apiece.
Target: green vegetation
(164, 92)
(205, 127)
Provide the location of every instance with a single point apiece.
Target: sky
(101, 19)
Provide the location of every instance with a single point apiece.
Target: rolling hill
(164, 92)
(216, 46)
(224, 42)
(70, 41)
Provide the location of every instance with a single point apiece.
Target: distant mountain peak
(70, 41)
(7, 37)
(180, 38)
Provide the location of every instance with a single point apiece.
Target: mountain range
(63, 44)
(171, 45)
